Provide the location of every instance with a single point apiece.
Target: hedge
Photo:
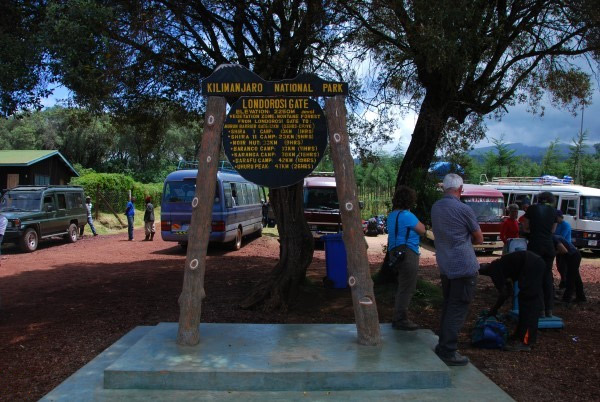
(114, 188)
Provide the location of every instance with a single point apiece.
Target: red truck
(488, 205)
(321, 206)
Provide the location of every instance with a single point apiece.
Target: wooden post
(192, 294)
(359, 277)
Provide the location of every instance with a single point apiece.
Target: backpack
(489, 333)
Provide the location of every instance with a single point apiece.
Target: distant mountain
(536, 154)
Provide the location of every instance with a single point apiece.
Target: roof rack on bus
(545, 180)
(223, 165)
(322, 174)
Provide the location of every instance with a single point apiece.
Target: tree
(577, 154)
(23, 78)
(503, 157)
(112, 54)
(460, 61)
(551, 159)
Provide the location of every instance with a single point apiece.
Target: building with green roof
(34, 167)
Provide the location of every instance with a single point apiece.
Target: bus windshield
(321, 198)
(183, 191)
(590, 208)
(21, 201)
(486, 209)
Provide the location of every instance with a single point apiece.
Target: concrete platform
(297, 364)
(270, 357)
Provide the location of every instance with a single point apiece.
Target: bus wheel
(237, 242)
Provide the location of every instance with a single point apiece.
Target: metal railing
(527, 181)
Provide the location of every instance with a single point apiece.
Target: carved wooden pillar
(192, 294)
(359, 277)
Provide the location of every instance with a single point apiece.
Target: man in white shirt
(3, 225)
(90, 221)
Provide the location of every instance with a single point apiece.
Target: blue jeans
(130, 226)
(1, 238)
(90, 222)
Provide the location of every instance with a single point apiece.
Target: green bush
(114, 189)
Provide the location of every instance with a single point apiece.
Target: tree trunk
(428, 131)
(192, 294)
(280, 287)
(359, 277)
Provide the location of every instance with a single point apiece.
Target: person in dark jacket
(149, 219)
(572, 260)
(528, 269)
(540, 222)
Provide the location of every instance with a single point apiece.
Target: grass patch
(270, 232)
(107, 223)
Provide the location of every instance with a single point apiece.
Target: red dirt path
(65, 303)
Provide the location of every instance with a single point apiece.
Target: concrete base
(273, 362)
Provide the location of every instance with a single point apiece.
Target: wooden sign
(275, 141)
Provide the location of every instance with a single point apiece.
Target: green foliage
(145, 143)
(428, 192)
(501, 162)
(115, 187)
(376, 180)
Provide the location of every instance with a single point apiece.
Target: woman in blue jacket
(405, 229)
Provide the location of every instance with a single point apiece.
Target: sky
(518, 125)
(521, 126)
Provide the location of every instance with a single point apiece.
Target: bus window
(183, 191)
(518, 199)
(590, 208)
(243, 194)
(235, 196)
(227, 195)
(568, 207)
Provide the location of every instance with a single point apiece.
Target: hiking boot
(548, 313)
(456, 359)
(147, 238)
(152, 236)
(404, 325)
(517, 347)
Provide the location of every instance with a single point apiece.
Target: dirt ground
(65, 303)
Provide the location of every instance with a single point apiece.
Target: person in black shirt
(540, 222)
(528, 269)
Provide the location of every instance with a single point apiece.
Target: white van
(580, 205)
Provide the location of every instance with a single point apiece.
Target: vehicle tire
(259, 232)
(29, 240)
(236, 244)
(183, 246)
(73, 233)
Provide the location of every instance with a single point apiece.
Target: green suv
(40, 212)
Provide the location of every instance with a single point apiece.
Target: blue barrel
(335, 260)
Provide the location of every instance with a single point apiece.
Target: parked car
(41, 212)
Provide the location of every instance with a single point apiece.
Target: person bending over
(528, 269)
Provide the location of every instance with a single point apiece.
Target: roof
(188, 174)
(554, 189)
(473, 190)
(318, 181)
(19, 157)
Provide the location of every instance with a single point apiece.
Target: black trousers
(458, 294)
(574, 282)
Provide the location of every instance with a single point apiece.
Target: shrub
(114, 188)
